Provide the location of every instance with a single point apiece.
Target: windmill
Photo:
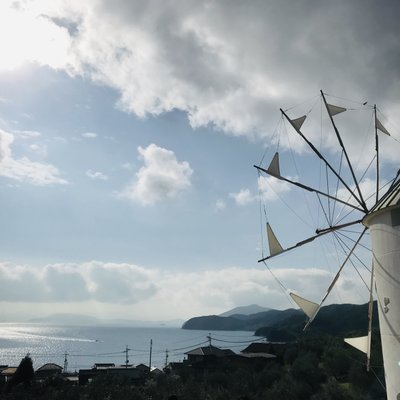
(377, 215)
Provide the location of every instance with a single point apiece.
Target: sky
(128, 134)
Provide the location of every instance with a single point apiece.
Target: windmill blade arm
(308, 188)
(315, 150)
(362, 202)
(337, 227)
(312, 238)
(299, 244)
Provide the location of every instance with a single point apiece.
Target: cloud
(102, 282)
(35, 38)
(159, 294)
(96, 175)
(243, 197)
(230, 79)
(270, 188)
(220, 205)
(23, 169)
(368, 189)
(89, 135)
(162, 176)
(27, 134)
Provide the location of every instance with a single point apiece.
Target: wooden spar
(315, 150)
(377, 155)
(311, 238)
(308, 188)
(345, 152)
(336, 227)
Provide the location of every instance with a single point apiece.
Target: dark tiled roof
(49, 367)
(207, 351)
(268, 347)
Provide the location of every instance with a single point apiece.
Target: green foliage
(331, 390)
(312, 368)
(24, 374)
(305, 369)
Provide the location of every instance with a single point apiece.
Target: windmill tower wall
(384, 225)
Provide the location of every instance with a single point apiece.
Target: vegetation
(314, 367)
(290, 322)
(23, 375)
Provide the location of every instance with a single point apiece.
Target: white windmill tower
(381, 219)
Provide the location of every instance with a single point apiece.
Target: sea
(78, 347)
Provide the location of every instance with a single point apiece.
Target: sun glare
(26, 37)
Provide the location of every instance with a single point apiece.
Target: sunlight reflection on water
(88, 345)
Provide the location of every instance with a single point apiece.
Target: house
(134, 375)
(86, 375)
(49, 369)
(7, 373)
(143, 367)
(207, 353)
(265, 349)
(208, 358)
(103, 365)
(156, 372)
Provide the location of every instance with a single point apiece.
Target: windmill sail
(381, 127)
(273, 168)
(333, 110)
(360, 343)
(310, 308)
(298, 122)
(274, 245)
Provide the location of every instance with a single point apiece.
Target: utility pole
(126, 356)
(65, 362)
(151, 350)
(209, 339)
(166, 358)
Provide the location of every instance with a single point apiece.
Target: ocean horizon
(83, 346)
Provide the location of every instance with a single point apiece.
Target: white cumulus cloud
(143, 293)
(96, 175)
(162, 176)
(163, 56)
(23, 169)
(243, 197)
(270, 188)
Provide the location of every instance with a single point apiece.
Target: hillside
(240, 322)
(244, 310)
(335, 319)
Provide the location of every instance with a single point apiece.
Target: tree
(24, 374)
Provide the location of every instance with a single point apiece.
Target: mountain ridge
(335, 319)
(245, 310)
